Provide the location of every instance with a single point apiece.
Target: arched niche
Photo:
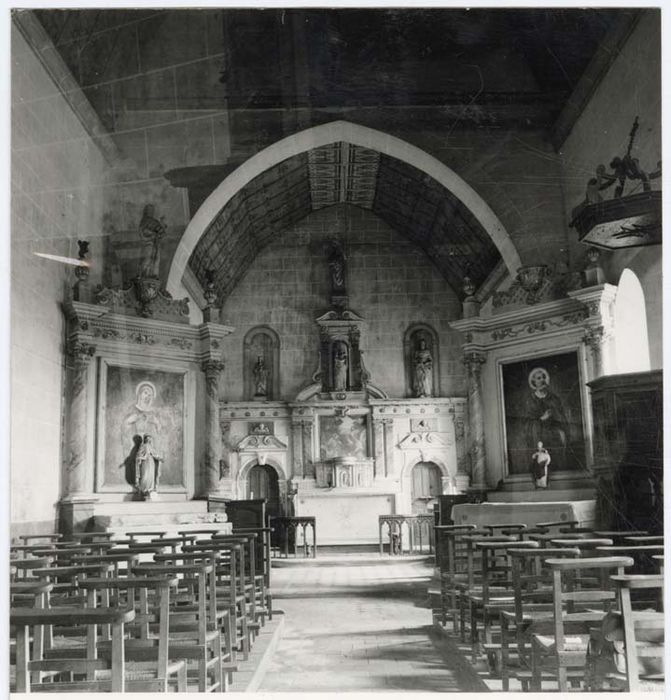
(415, 354)
(261, 342)
(632, 352)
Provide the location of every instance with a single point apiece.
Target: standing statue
(147, 468)
(540, 461)
(260, 377)
(423, 371)
(152, 230)
(337, 268)
(340, 367)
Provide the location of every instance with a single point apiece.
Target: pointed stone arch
(322, 135)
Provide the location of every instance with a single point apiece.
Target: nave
(362, 623)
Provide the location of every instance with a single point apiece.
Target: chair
(193, 632)
(627, 649)
(532, 593)
(26, 619)
(148, 666)
(452, 568)
(561, 644)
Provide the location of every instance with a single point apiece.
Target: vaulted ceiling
(410, 201)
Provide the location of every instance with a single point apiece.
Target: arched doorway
(426, 486)
(262, 482)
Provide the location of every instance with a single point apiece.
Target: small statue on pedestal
(147, 469)
(540, 461)
(340, 367)
(423, 370)
(260, 377)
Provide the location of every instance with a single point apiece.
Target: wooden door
(262, 483)
(426, 486)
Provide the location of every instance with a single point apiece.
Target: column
(75, 466)
(473, 362)
(388, 445)
(212, 370)
(378, 443)
(308, 462)
(297, 448)
(593, 338)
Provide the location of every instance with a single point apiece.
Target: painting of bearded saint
(141, 403)
(543, 404)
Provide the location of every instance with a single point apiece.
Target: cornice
(133, 335)
(581, 310)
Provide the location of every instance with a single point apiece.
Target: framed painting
(343, 436)
(543, 402)
(134, 402)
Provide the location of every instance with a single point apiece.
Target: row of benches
(532, 601)
(144, 613)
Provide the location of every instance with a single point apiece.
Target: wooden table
(25, 618)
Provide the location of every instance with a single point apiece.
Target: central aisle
(357, 623)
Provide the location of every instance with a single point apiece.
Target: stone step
(542, 495)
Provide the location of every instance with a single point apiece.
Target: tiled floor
(357, 623)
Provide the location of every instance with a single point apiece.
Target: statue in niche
(152, 230)
(261, 374)
(142, 419)
(337, 267)
(340, 367)
(540, 461)
(147, 468)
(422, 370)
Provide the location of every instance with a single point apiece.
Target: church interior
(340, 335)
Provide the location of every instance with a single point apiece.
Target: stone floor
(361, 623)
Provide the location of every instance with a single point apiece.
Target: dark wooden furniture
(627, 413)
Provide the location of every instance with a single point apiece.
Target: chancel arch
(476, 236)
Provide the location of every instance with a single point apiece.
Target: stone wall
(631, 88)
(55, 199)
(391, 283)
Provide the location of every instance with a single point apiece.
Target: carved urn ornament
(625, 221)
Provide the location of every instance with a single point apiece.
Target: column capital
(212, 366)
(594, 336)
(81, 353)
(474, 359)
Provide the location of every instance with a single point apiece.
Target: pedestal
(76, 514)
